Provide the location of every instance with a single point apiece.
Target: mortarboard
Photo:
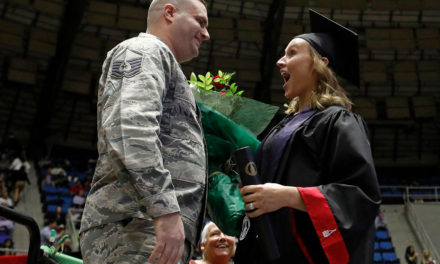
(337, 43)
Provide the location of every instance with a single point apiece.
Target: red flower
(217, 82)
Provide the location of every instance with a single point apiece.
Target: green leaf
(201, 77)
(193, 77)
(200, 86)
(209, 87)
(209, 80)
(207, 75)
(240, 93)
(233, 88)
(220, 73)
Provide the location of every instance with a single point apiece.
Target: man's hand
(170, 239)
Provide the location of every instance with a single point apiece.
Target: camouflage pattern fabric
(130, 242)
(152, 154)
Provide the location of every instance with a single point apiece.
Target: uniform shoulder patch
(127, 64)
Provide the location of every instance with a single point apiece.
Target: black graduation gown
(329, 158)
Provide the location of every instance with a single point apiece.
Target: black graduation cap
(337, 43)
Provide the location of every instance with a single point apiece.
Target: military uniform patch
(127, 64)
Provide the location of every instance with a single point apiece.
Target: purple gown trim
(272, 147)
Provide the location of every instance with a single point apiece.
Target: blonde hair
(327, 90)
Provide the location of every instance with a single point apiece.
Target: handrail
(74, 233)
(406, 192)
(32, 227)
(2, 249)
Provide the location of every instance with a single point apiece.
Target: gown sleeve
(343, 207)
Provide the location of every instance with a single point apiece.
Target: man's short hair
(157, 5)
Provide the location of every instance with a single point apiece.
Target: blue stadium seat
(65, 208)
(378, 258)
(67, 201)
(52, 208)
(63, 191)
(382, 235)
(51, 198)
(390, 257)
(386, 246)
(48, 190)
(376, 246)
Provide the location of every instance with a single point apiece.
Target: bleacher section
(65, 184)
(384, 252)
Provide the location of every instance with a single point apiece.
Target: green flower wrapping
(229, 123)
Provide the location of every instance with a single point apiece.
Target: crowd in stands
(14, 169)
(384, 251)
(62, 186)
(63, 189)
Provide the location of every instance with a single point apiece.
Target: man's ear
(169, 12)
(325, 60)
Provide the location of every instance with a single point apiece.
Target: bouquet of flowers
(230, 122)
(223, 96)
(219, 82)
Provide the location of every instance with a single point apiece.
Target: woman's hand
(269, 197)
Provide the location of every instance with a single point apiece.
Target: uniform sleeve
(343, 209)
(131, 122)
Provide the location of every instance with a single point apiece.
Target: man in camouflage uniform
(148, 193)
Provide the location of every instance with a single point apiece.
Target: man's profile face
(189, 30)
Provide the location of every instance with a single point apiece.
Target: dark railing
(32, 227)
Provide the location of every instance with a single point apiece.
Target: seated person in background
(216, 247)
(5, 200)
(61, 231)
(58, 176)
(20, 178)
(427, 258)
(67, 248)
(78, 186)
(58, 215)
(8, 244)
(6, 226)
(380, 222)
(46, 230)
(411, 255)
(79, 199)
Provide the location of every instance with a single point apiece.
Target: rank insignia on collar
(127, 64)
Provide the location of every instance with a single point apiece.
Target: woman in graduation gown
(321, 189)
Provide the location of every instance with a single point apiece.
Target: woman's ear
(202, 246)
(325, 60)
(169, 12)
